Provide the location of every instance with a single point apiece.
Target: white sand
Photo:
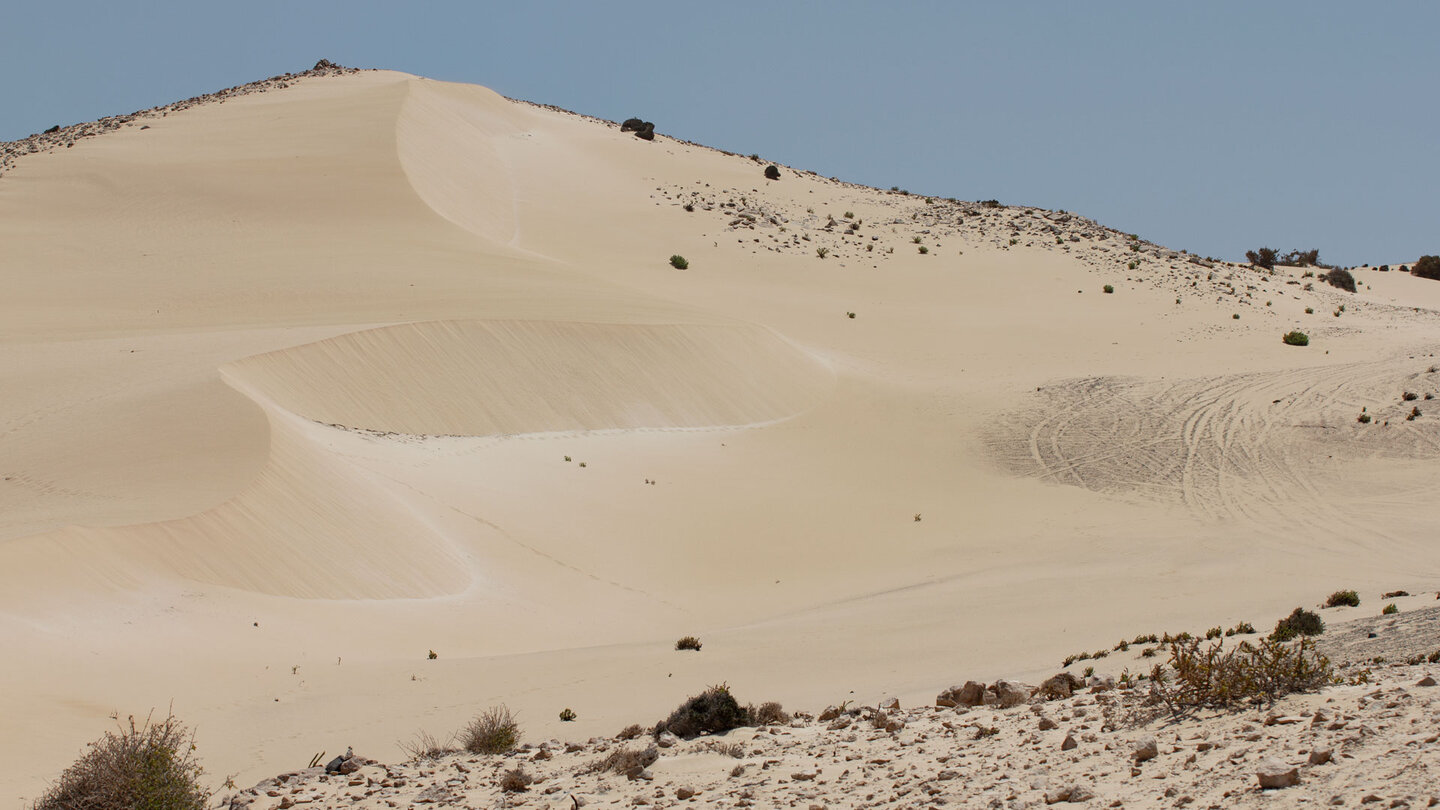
(290, 383)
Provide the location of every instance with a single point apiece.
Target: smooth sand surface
(291, 382)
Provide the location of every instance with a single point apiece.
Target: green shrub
(1219, 677)
(1109, 288)
(493, 732)
(924, 250)
(1265, 257)
(1390, 609)
(1309, 310)
(1294, 338)
(678, 262)
(150, 766)
(1363, 419)
(1241, 629)
(822, 252)
(1214, 632)
(1342, 278)
(688, 643)
(772, 172)
(1339, 598)
(1427, 267)
(715, 710)
(566, 715)
(1300, 622)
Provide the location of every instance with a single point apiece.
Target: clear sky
(1210, 126)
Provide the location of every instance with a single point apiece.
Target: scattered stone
(971, 694)
(1012, 693)
(1274, 774)
(1068, 743)
(682, 793)
(1320, 756)
(1146, 748)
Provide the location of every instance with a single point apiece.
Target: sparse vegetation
(772, 172)
(822, 252)
(924, 250)
(631, 731)
(1426, 267)
(566, 715)
(1338, 598)
(495, 731)
(1219, 677)
(628, 762)
(1390, 609)
(850, 315)
(1340, 277)
(515, 780)
(1363, 419)
(1214, 632)
(715, 710)
(1300, 622)
(1296, 338)
(151, 765)
(688, 643)
(424, 747)
(678, 262)
(1264, 257)
(769, 713)
(1108, 288)
(1241, 629)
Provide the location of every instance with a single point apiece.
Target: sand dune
(299, 386)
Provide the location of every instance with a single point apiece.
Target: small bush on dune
(715, 710)
(426, 746)
(772, 172)
(688, 643)
(1427, 267)
(493, 732)
(1342, 278)
(1264, 257)
(769, 714)
(631, 731)
(628, 762)
(1295, 338)
(151, 765)
(1390, 609)
(515, 780)
(678, 262)
(1300, 622)
(1339, 598)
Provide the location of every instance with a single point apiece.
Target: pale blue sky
(1211, 126)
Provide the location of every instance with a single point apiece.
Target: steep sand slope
(300, 385)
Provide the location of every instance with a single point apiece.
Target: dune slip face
(313, 377)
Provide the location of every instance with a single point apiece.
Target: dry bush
(426, 746)
(493, 732)
(515, 780)
(631, 731)
(715, 710)
(1217, 677)
(151, 766)
(628, 762)
(732, 750)
(770, 713)
(688, 643)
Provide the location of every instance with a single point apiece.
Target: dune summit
(305, 384)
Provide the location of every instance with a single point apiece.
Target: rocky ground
(58, 137)
(1372, 740)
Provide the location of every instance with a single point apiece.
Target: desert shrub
(567, 715)
(769, 713)
(1342, 278)
(1339, 598)
(1296, 338)
(772, 172)
(1390, 609)
(990, 203)
(1393, 594)
(1108, 288)
(631, 731)
(1264, 257)
(515, 780)
(1309, 310)
(1243, 628)
(1219, 677)
(822, 252)
(426, 746)
(151, 765)
(1300, 622)
(494, 732)
(1427, 267)
(1214, 632)
(1413, 415)
(1363, 419)
(714, 710)
(678, 262)
(688, 643)
(1409, 396)
(924, 250)
(628, 762)
(1300, 258)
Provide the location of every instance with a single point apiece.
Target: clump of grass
(426, 746)
(715, 710)
(1219, 677)
(1108, 289)
(1338, 598)
(515, 780)
(1390, 609)
(1300, 622)
(822, 252)
(631, 731)
(150, 765)
(495, 731)
(1296, 338)
(678, 262)
(1241, 629)
(688, 643)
